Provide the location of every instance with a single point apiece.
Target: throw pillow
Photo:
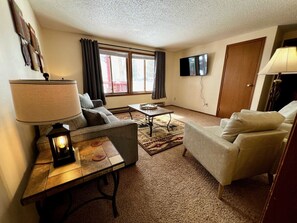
(94, 117)
(289, 111)
(85, 101)
(77, 123)
(243, 122)
(104, 116)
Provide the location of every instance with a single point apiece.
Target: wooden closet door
(242, 61)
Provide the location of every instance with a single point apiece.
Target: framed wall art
(29, 43)
(26, 30)
(17, 16)
(41, 63)
(26, 53)
(34, 58)
(34, 40)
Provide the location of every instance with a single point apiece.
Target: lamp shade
(283, 61)
(40, 102)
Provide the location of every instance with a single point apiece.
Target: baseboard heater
(126, 109)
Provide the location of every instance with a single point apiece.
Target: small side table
(46, 181)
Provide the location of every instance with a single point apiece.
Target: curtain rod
(130, 48)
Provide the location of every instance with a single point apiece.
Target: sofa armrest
(216, 154)
(97, 103)
(123, 134)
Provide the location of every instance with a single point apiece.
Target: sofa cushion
(94, 117)
(85, 101)
(289, 112)
(243, 122)
(74, 124)
(77, 123)
(112, 118)
(103, 110)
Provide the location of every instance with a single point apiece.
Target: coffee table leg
(130, 113)
(151, 125)
(168, 122)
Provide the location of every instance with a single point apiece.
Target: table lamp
(283, 62)
(41, 102)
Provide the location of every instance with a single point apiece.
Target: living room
(62, 56)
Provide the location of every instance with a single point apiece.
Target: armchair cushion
(244, 122)
(85, 101)
(289, 112)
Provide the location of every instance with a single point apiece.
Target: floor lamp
(283, 62)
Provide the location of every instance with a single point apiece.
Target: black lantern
(61, 146)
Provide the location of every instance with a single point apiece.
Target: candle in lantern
(61, 143)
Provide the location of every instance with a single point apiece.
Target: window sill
(126, 94)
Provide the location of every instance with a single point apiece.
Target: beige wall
(189, 91)
(63, 56)
(64, 59)
(16, 152)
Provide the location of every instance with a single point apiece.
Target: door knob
(249, 85)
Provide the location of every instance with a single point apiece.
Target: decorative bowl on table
(148, 106)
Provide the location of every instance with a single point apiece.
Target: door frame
(225, 64)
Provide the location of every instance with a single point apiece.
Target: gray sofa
(122, 133)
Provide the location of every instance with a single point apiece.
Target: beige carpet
(171, 188)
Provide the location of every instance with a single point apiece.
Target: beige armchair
(248, 145)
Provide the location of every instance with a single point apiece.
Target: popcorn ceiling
(166, 24)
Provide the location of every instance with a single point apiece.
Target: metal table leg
(130, 113)
(151, 120)
(70, 210)
(168, 122)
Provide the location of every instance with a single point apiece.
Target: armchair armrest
(97, 103)
(259, 151)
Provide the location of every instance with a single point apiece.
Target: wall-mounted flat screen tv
(193, 66)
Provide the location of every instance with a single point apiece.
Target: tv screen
(193, 66)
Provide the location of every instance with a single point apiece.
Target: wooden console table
(46, 181)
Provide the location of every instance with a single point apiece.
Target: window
(142, 73)
(114, 71)
(119, 79)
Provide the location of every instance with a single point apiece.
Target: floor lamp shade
(283, 61)
(39, 102)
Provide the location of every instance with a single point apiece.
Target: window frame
(128, 72)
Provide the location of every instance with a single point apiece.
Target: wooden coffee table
(150, 114)
(46, 181)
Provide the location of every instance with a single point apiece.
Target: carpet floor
(168, 187)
